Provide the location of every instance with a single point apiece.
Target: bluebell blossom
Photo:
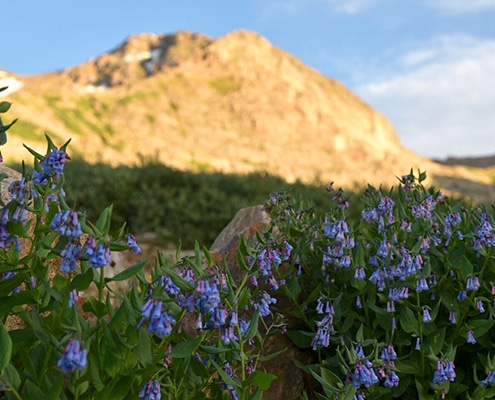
(70, 256)
(421, 285)
(359, 273)
(151, 390)
(7, 240)
(425, 209)
(131, 242)
(426, 315)
(263, 303)
(359, 351)
(51, 167)
(161, 325)
(480, 306)
(67, 224)
(364, 374)
(490, 379)
(418, 344)
(168, 285)
(73, 298)
(470, 337)
(406, 225)
(392, 379)
(209, 296)
(217, 319)
(74, 357)
(462, 295)
(398, 293)
(384, 248)
(388, 353)
(444, 372)
(473, 284)
(452, 317)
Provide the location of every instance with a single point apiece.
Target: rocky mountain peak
(137, 57)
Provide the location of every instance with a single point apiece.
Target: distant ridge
(477, 162)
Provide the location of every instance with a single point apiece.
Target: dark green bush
(176, 205)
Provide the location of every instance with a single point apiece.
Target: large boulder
(292, 381)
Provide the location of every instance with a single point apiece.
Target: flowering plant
(397, 301)
(69, 329)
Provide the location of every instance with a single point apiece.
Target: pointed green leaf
(128, 272)
(5, 348)
(185, 349)
(260, 379)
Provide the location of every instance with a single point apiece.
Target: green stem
(101, 284)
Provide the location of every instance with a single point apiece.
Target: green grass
(224, 85)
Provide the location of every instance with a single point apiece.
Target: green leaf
(408, 321)
(5, 348)
(4, 106)
(253, 325)
(225, 377)
(33, 392)
(213, 349)
(300, 338)
(82, 282)
(103, 223)
(13, 378)
(143, 348)
(185, 349)
(127, 273)
(328, 388)
(260, 379)
(98, 308)
(481, 326)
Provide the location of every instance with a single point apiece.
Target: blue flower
(99, 254)
(168, 285)
(364, 374)
(490, 379)
(74, 357)
(151, 390)
(70, 255)
(470, 337)
(473, 284)
(263, 304)
(388, 353)
(392, 379)
(73, 298)
(444, 372)
(359, 351)
(426, 315)
(67, 224)
(131, 242)
(421, 285)
(51, 166)
(209, 296)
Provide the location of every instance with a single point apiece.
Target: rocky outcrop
(291, 381)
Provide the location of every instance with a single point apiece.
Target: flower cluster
(410, 275)
(74, 357)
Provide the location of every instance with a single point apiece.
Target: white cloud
(336, 6)
(440, 97)
(461, 6)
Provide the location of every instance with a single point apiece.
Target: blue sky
(427, 65)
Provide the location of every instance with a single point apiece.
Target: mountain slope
(235, 104)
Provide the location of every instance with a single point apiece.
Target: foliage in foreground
(398, 302)
(68, 331)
